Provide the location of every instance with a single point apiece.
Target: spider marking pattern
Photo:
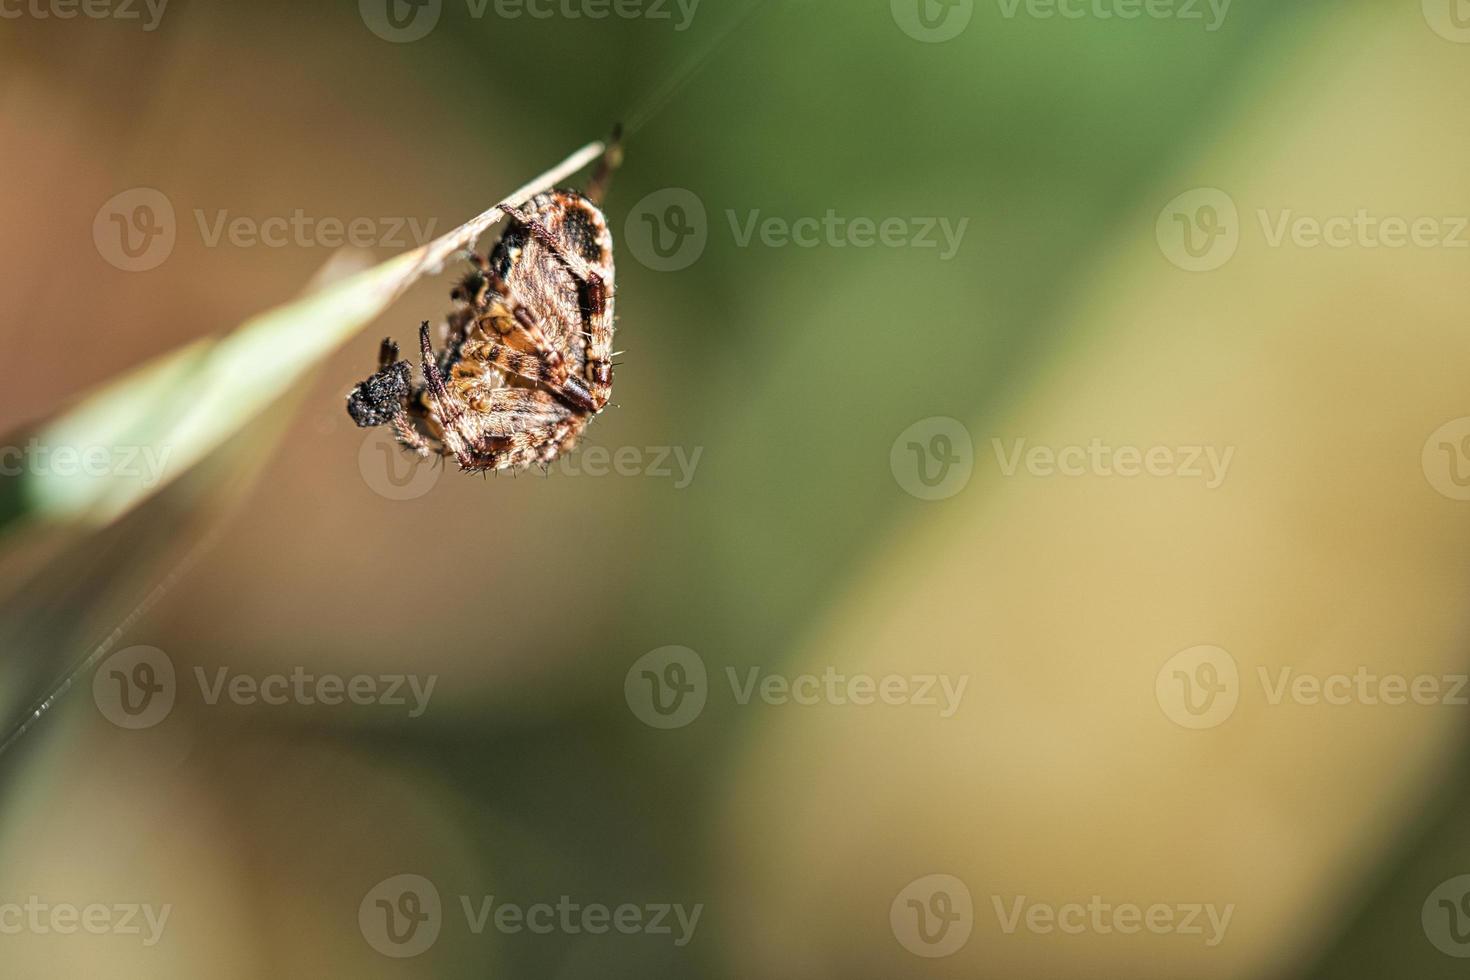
(528, 359)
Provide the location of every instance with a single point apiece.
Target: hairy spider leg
(612, 159)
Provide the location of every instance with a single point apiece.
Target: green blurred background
(792, 381)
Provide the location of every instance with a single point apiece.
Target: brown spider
(528, 361)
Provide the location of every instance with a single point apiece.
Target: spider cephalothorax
(528, 362)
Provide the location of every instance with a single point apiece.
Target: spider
(528, 362)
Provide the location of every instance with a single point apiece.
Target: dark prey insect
(528, 360)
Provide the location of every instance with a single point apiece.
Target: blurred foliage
(792, 369)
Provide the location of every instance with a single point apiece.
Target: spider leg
(408, 435)
(445, 407)
(509, 360)
(520, 320)
(521, 427)
(570, 389)
(612, 159)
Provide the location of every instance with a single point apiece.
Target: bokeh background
(1133, 187)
